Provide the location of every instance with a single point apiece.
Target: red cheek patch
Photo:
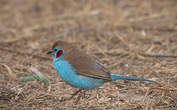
(59, 53)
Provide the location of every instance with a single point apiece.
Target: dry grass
(118, 32)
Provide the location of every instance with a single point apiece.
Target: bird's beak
(50, 52)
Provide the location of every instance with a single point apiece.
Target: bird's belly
(68, 74)
(81, 81)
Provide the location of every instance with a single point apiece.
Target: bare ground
(130, 37)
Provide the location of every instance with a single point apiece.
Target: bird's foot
(74, 94)
(81, 93)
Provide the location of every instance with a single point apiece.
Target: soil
(129, 37)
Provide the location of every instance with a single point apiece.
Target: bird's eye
(55, 49)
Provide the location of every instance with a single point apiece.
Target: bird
(80, 69)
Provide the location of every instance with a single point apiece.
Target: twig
(68, 31)
(13, 76)
(122, 40)
(38, 74)
(25, 54)
(147, 92)
(147, 88)
(155, 29)
(158, 56)
(161, 88)
(35, 70)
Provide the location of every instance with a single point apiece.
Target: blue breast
(68, 74)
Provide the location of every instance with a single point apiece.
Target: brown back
(83, 63)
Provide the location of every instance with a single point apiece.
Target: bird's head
(57, 52)
(58, 49)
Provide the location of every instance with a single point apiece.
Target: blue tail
(130, 78)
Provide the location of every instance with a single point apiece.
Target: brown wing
(82, 63)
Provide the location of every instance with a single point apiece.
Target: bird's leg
(80, 90)
(82, 94)
(78, 98)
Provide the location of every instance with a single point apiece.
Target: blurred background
(129, 37)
